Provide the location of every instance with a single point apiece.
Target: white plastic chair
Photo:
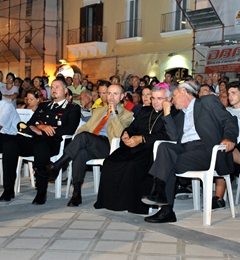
(1, 170)
(24, 114)
(30, 159)
(207, 180)
(238, 191)
(96, 167)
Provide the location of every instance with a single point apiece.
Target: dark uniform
(65, 118)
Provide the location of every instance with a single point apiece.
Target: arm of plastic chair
(215, 149)
(114, 144)
(157, 143)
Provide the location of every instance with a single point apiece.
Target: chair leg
(1, 173)
(196, 193)
(18, 176)
(58, 185)
(207, 200)
(69, 176)
(31, 173)
(230, 194)
(96, 177)
(238, 191)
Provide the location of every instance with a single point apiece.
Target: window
(29, 8)
(91, 23)
(180, 20)
(132, 17)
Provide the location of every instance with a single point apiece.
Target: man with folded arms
(47, 125)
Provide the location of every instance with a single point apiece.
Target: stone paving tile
(37, 232)
(108, 257)
(90, 217)
(86, 224)
(149, 257)
(119, 235)
(62, 216)
(6, 232)
(16, 223)
(60, 255)
(45, 223)
(71, 245)
(195, 250)
(79, 234)
(25, 243)
(113, 246)
(156, 237)
(2, 240)
(20, 255)
(158, 248)
(121, 226)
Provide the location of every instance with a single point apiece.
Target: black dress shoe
(47, 172)
(40, 198)
(155, 199)
(75, 200)
(7, 195)
(161, 217)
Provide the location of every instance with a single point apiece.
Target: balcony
(129, 31)
(87, 42)
(173, 24)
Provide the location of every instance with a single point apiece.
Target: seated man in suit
(201, 124)
(49, 122)
(93, 140)
(123, 187)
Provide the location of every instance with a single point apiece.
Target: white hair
(190, 89)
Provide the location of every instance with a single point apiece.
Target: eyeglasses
(146, 94)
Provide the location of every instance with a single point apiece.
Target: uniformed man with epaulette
(47, 125)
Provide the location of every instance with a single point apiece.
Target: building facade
(30, 37)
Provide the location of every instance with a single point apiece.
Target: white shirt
(189, 131)
(11, 91)
(9, 118)
(235, 112)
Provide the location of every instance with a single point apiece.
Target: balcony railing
(128, 29)
(95, 33)
(173, 21)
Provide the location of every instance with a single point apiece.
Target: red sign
(223, 59)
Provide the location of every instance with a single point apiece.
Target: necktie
(102, 123)
(55, 105)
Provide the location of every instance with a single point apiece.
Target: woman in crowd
(10, 92)
(145, 99)
(37, 82)
(222, 86)
(33, 99)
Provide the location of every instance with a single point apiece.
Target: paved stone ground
(54, 231)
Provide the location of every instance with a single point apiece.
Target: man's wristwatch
(143, 139)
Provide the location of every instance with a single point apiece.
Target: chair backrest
(25, 114)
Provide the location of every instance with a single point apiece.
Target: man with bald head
(94, 139)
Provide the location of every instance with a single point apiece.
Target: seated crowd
(139, 113)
